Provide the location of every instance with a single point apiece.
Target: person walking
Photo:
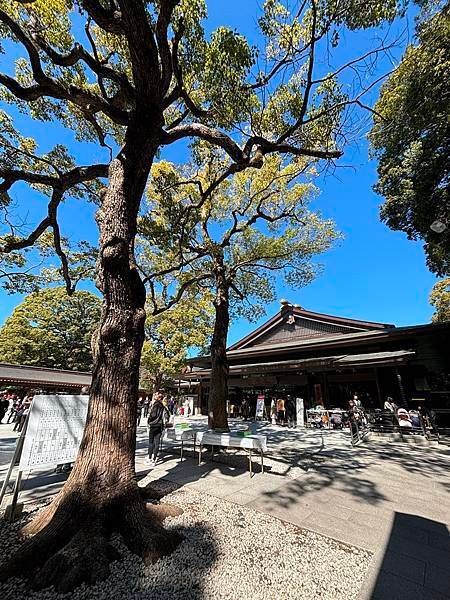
(158, 415)
(146, 406)
(140, 406)
(24, 414)
(13, 409)
(19, 412)
(4, 406)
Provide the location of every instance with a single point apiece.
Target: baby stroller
(336, 420)
(404, 419)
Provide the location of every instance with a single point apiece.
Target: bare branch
(28, 241)
(53, 217)
(157, 310)
(93, 62)
(204, 132)
(62, 183)
(309, 79)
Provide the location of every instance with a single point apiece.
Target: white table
(230, 440)
(179, 434)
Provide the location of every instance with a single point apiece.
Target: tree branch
(165, 13)
(109, 20)
(46, 86)
(157, 310)
(53, 217)
(204, 132)
(62, 183)
(309, 79)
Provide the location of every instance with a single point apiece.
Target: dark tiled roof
(42, 376)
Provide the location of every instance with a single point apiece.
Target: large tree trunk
(218, 393)
(70, 537)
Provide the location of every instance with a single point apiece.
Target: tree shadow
(414, 563)
(180, 575)
(328, 462)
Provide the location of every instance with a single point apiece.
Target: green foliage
(172, 334)
(411, 139)
(257, 224)
(89, 74)
(51, 329)
(32, 268)
(440, 299)
(80, 66)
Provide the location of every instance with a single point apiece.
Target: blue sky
(373, 273)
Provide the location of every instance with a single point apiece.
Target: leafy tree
(132, 77)
(236, 238)
(411, 139)
(440, 299)
(170, 335)
(51, 329)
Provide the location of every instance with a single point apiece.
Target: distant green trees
(440, 299)
(171, 334)
(51, 329)
(411, 138)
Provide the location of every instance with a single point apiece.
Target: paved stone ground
(392, 499)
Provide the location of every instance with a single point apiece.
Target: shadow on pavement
(414, 564)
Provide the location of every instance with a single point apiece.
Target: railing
(440, 423)
(436, 423)
(328, 419)
(385, 421)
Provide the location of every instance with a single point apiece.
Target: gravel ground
(228, 553)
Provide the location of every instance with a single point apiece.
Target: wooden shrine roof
(42, 376)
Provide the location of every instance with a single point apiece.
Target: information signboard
(260, 406)
(300, 412)
(54, 432)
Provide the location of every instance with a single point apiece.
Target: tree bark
(70, 537)
(218, 392)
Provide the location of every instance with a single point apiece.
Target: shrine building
(326, 359)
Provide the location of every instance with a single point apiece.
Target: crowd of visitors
(410, 418)
(390, 416)
(15, 409)
(173, 405)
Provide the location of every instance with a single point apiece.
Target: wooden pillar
(377, 380)
(400, 385)
(325, 390)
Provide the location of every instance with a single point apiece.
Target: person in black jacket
(158, 415)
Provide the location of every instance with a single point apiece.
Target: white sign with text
(300, 406)
(55, 428)
(260, 406)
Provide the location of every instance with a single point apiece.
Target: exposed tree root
(161, 511)
(150, 493)
(85, 559)
(145, 536)
(72, 545)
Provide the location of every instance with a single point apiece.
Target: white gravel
(229, 552)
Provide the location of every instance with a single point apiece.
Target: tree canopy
(92, 67)
(51, 329)
(411, 140)
(170, 336)
(440, 299)
(132, 77)
(258, 225)
(231, 237)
